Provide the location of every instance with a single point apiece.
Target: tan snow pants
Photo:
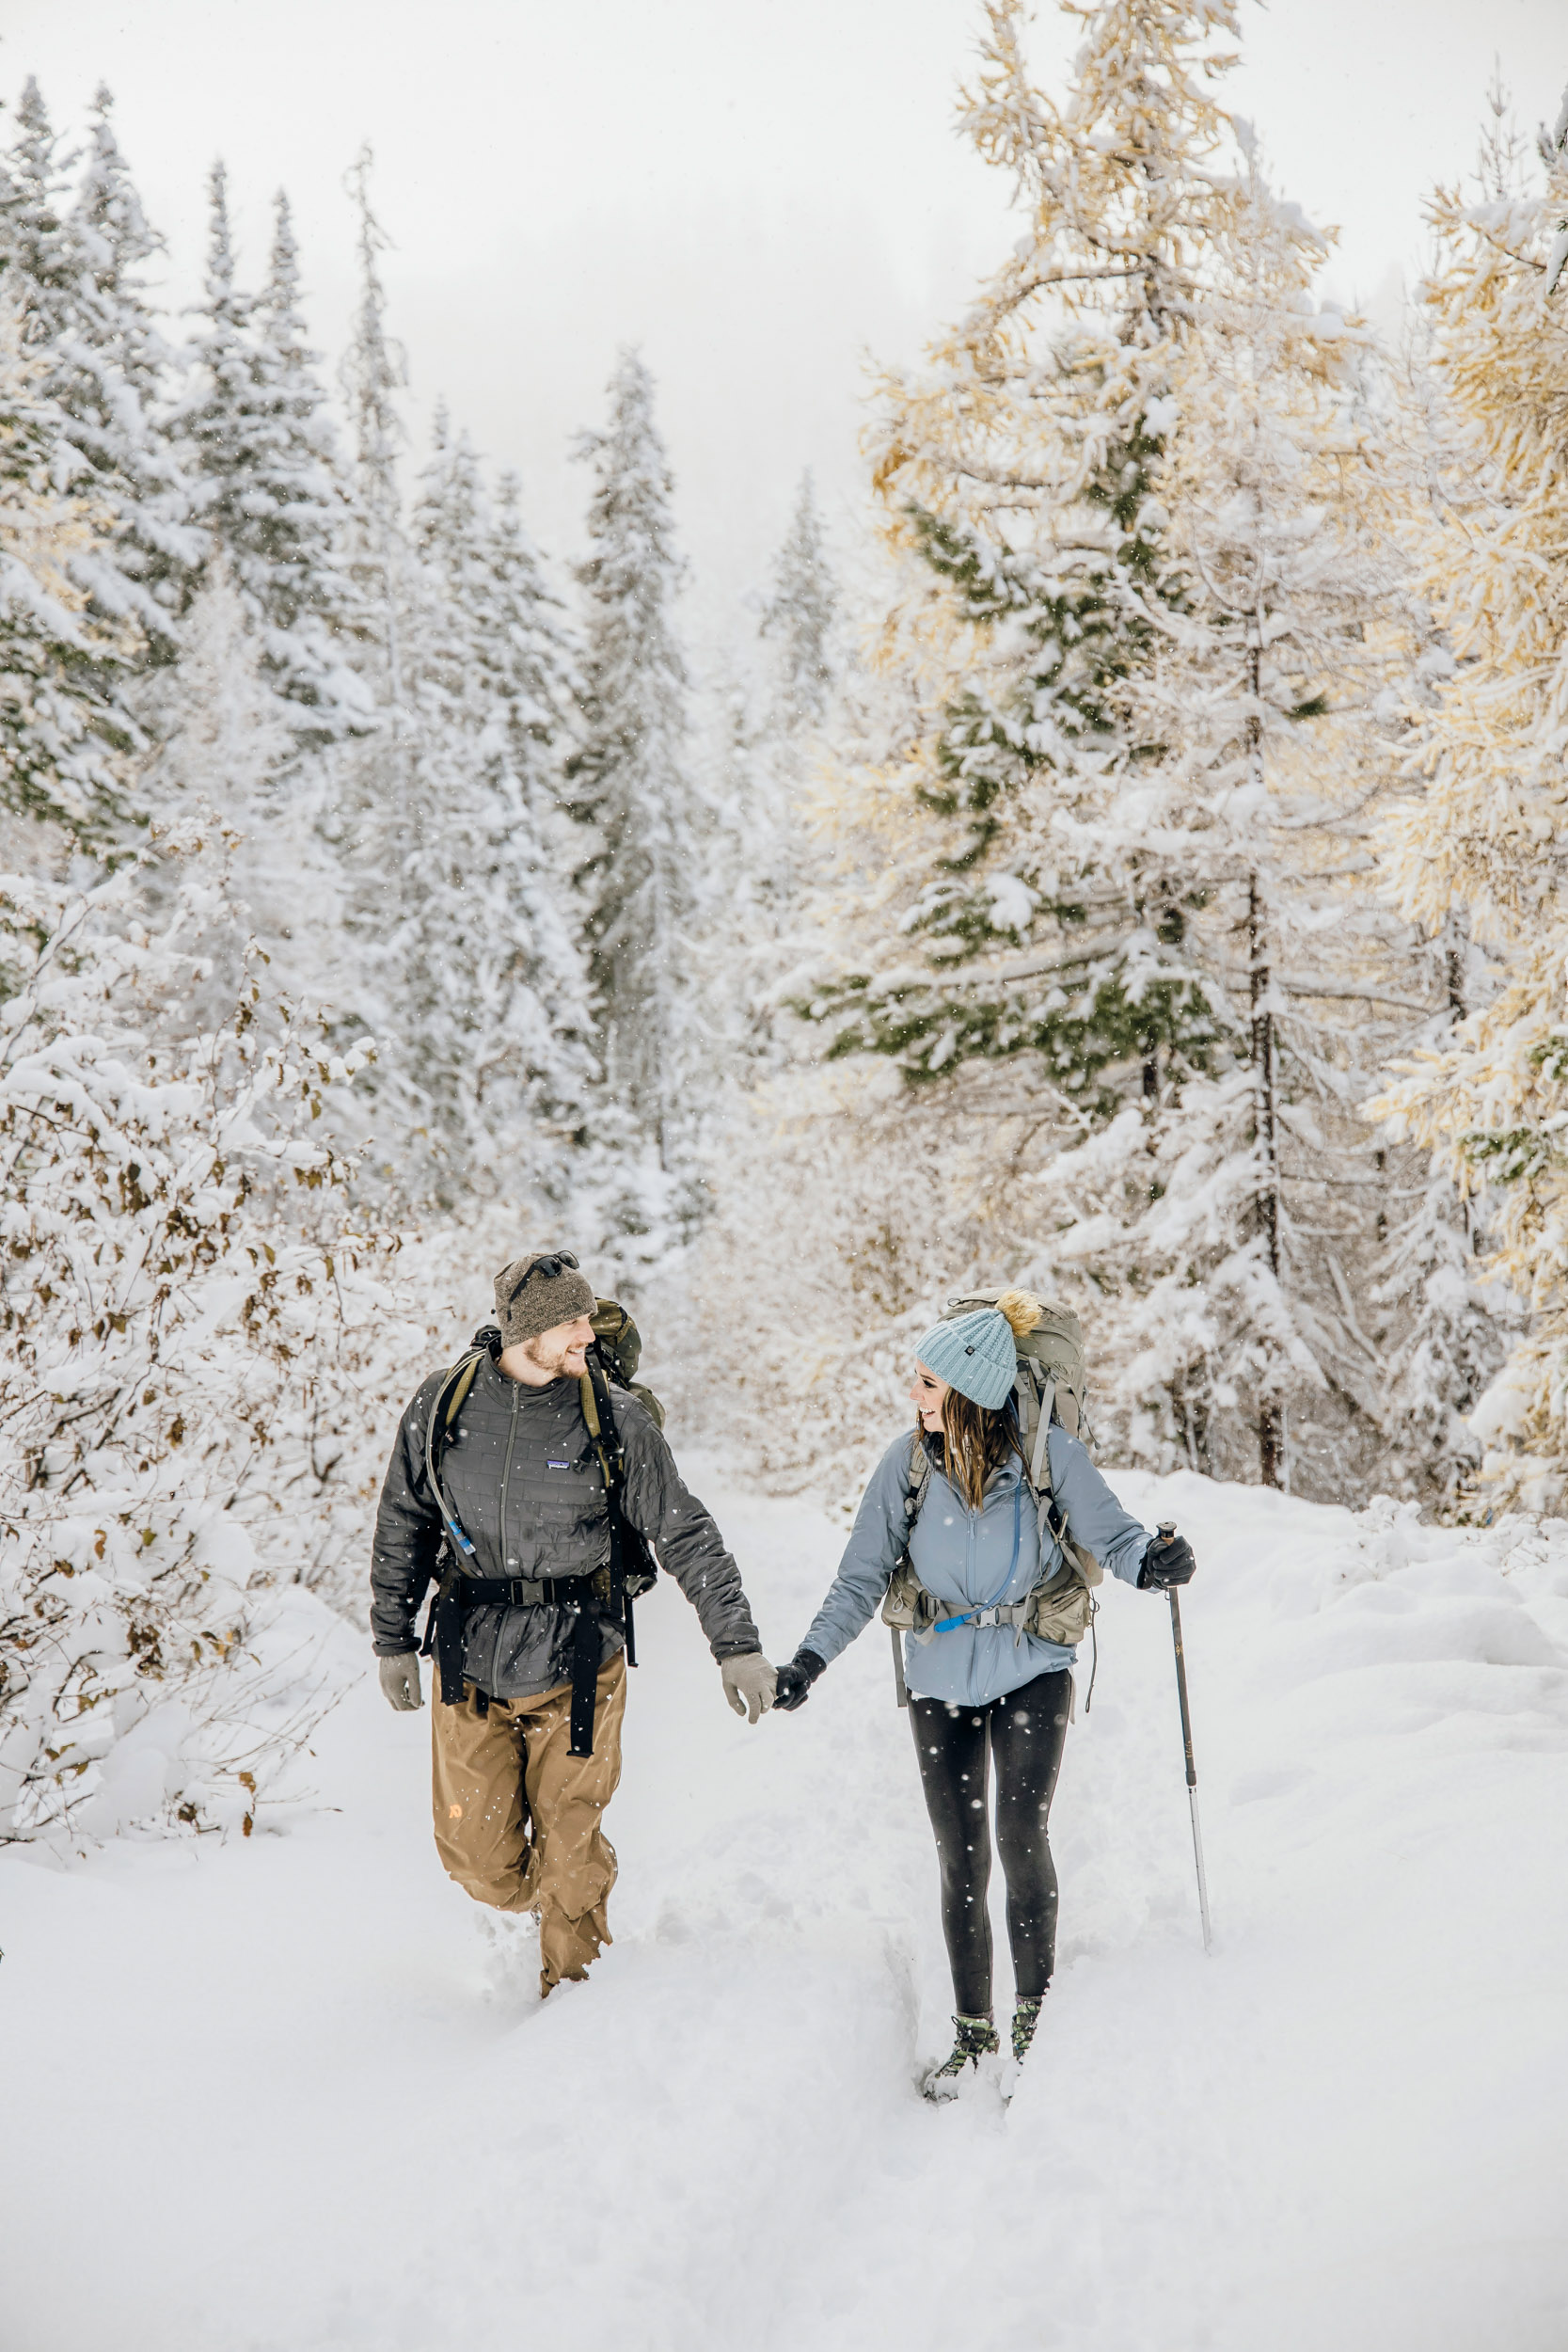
(517, 1815)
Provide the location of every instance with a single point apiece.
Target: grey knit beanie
(528, 1304)
(975, 1354)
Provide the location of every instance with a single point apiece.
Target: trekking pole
(1167, 1527)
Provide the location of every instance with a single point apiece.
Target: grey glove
(400, 1680)
(749, 1682)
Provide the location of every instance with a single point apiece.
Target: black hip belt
(523, 1592)
(595, 1598)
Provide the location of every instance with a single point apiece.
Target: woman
(981, 1691)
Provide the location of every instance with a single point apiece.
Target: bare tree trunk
(1453, 969)
(1157, 917)
(1270, 1431)
(1455, 935)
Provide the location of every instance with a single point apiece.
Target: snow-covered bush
(191, 1319)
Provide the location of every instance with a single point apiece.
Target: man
(504, 1476)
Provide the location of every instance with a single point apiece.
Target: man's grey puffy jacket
(524, 1480)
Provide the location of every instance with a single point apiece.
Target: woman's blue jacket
(963, 1557)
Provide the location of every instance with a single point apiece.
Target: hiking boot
(976, 2039)
(1026, 2016)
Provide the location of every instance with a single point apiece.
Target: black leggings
(1025, 1732)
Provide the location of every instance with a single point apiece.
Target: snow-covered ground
(257, 2097)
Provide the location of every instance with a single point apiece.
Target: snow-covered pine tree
(308, 598)
(223, 742)
(209, 419)
(524, 653)
(376, 810)
(1259, 1187)
(757, 752)
(374, 374)
(66, 746)
(269, 493)
(529, 652)
(1106, 784)
(799, 625)
(428, 951)
(36, 236)
(370, 820)
(117, 389)
(798, 619)
(1019, 470)
(483, 984)
(76, 263)
(628, 781)
(1022, 935)
(81, 613)
(1447, 1327)
(1480, 837)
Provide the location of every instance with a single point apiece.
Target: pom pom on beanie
(1022, 1311)
(977, 1354)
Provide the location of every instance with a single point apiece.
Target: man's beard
(552, 1361)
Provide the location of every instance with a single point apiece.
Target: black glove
(1168, 1561)
(795, 1680)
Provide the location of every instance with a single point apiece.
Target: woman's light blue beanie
(976, 1355)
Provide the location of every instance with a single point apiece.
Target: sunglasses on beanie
(549, 1267)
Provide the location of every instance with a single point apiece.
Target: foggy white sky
(757, 191)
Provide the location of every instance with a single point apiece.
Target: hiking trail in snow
(260, 2100)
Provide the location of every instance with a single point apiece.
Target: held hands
(749, 1684)
(1168, 1561)
(400, 1681)
(795, 1680)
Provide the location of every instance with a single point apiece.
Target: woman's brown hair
(974, 1442)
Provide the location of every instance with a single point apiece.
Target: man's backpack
(616, 1351)
(618, 1345)
(618, 1348)
(1051, 1384)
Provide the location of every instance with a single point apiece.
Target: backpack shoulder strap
(919, 1479)
(599, 1414)
(1082, 1563)
(1039, 1467)
(458, 1396)
(626, 1580)
(445, 1405)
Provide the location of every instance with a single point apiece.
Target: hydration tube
(946, 1625)
(433, 1467)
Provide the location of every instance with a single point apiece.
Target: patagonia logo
(558, 1465)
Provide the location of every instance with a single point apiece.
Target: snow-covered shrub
(188, 1309)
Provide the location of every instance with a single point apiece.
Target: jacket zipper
(974, 1521)
(506, 1473)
